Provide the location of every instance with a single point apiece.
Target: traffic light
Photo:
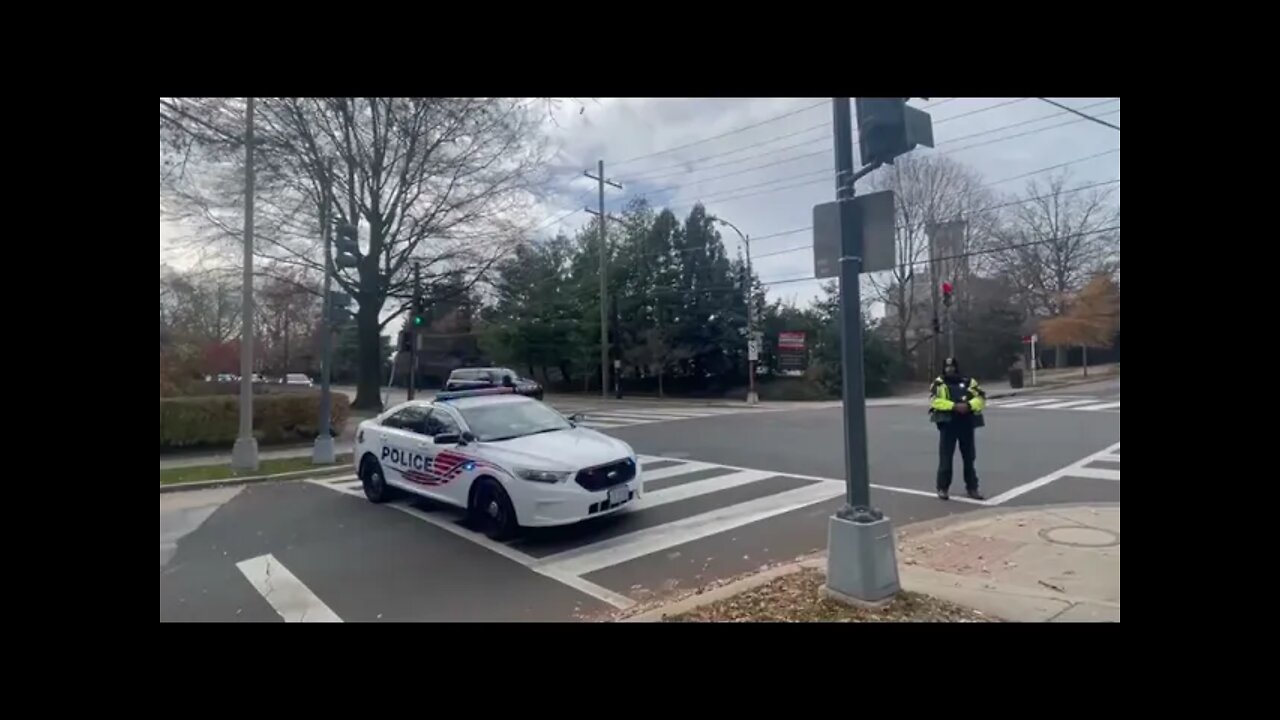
(419, 319)
(946, 293)
(346, 245)
(888, 127)
(338, 303)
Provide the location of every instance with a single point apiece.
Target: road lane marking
(599, 592)
(1097, 473)
(677, 493)
(1074, 468)
(290, 598)
(1067, 404)
(607, 553)
(1101, 406)
(686, 466)
(1029, 403)
(594, 425)
(640, 417)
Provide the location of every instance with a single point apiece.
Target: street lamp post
(244, 454)
(752, 397)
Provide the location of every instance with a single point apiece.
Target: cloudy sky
(763, 163)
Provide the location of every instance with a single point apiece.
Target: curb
(818, 561)
(229, 482)
(1052, 387)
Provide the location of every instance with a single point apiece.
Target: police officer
(956, 407)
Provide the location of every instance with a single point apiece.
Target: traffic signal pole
(862, 566)
(413, 329)
(858, 495)
(323, 452)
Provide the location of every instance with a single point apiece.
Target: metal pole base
(862, 567)
(753, 398)
(244, 454)
(322, 453)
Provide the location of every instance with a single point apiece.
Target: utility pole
(413, 328)
(753, 342)
(604, 278)
(322, 453)
(244, 454)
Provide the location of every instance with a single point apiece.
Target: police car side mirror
(447, 438)
(507, 381)
(467, 437)
(577, 417)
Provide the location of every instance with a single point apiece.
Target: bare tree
(289, 309)
(928, 190)
(1054, 241)
(198, 308)
(439, 183)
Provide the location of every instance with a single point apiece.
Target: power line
(970, 253)
(827, 150)
(1017, 124)
(1020, 135)
(969, 214)
(1083, 115)
(983, 186)
(681, 167)
(721, 135)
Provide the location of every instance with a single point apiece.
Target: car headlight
(544, 476)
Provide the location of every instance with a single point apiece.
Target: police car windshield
(506, 421)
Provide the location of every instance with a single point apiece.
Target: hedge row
(199, 388)
(214, 421)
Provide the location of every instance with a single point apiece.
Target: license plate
(619, 494)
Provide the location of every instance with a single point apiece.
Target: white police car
(509, 460)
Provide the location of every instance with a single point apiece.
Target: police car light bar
(456, 394)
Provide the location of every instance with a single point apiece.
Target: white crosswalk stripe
(676, 507)
(608, 417)
(1081, 404)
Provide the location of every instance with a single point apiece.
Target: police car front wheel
(374, 482)
(492, 512)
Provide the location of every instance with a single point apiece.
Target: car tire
(492, 512)
(374, 482)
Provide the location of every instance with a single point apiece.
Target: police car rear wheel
(492, 511)
(375, 484)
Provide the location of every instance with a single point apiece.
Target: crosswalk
(1082, 404)
(682, 501)
(599, 417)
(1101, 465)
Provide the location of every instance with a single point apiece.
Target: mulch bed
(798, 597)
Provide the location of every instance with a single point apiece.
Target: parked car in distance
(490, 377)
(297, 379)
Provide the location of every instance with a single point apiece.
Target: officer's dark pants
(949, 435)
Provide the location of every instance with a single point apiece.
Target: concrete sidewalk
(1048, 564)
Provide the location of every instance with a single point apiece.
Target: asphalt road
(725, 494)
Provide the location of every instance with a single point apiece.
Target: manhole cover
(1079, 536)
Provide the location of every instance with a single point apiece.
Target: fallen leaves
(798, 597)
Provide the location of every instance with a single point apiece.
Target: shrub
(792, 389)
(214, 421)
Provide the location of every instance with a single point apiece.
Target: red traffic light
(946, 288)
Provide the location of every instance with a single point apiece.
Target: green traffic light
(417, 319)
